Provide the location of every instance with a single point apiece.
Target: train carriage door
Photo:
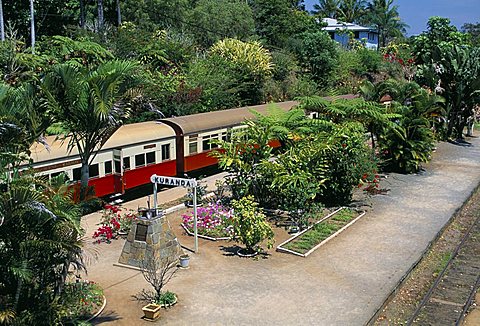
(117, 171)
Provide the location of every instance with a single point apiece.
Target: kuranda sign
(171, 181)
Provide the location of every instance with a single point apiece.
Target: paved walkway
(343, 283)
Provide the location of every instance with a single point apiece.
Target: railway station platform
(345, 282)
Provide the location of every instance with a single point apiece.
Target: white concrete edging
(282, 249)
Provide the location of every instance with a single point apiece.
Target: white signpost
(178, 182)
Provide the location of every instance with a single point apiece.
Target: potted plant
(250, 226)
(151, 311)
(157, 272)
(184, 260)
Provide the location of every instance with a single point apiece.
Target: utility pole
(2, 24)
(32, 25)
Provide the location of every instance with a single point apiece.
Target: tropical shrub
(404, 149)
(348, 159)
(81, 300)
(249, 225)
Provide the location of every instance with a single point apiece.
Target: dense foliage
(79, 69)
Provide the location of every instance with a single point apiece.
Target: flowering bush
(81, 300)
(215, 220)
(113, 222)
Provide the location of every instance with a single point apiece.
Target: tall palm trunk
(119, 14)
(100, 15)
(2, 25)
(32, 25)
(82, 13)
(84, 178)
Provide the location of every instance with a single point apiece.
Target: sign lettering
(171, 181)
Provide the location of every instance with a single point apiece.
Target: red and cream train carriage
(134, 152)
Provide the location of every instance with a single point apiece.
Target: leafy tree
(155, 14)
(439, 33)
(213, 20)
(318, 56)
(250, 60)
(277, 20)
(384, 16)
(89, 104)
(473, 29)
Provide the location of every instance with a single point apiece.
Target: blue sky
(416, 12)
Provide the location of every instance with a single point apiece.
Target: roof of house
(333, 25)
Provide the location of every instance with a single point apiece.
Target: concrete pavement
(342, 283)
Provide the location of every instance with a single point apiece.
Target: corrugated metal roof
(195, 123)
(334, 25)
(125, 135)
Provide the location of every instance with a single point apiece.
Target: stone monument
(149, 235)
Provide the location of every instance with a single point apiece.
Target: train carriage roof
(126, 135)
(199, 122)
(196, 123)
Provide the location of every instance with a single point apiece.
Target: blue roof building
(340, 32)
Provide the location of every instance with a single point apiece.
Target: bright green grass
(321, 231)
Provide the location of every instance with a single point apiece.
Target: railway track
(450, 296)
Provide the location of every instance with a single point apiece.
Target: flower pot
(151, 311)
(244, 252)
(184, 261)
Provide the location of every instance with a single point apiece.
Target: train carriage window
(118, 168)
(126, 163)
(139, 160)
(206, 145)
(77, 174)
(193, 145)
(165, 152)
(93, 171)
(108, 167)
(151, 158)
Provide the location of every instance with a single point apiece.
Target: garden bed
(214, 222)
(310, 239)
(204, 236)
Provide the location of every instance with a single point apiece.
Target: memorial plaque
(141, 233)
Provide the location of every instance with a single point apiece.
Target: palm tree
(351, 10)
(2, 24)
(384, 16)
(90, 104)
(32, 25)
(326, 8)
